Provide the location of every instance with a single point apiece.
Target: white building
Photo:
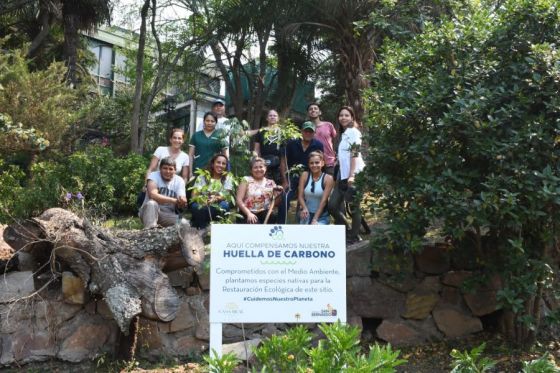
(107, 44)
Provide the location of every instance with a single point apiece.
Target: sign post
(276, 274)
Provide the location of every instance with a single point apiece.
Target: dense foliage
(99, 182)
(39, 103)
(338, 351)
(464, 135)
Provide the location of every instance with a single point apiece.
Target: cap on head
(218, 102)
(308, 126)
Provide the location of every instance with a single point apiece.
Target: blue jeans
(203, 215)
(323, 219)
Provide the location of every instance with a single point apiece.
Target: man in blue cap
(295, 153)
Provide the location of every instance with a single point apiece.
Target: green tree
(173, 47)
(464, 134)
(38, 105)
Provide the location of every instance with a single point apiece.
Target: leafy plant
(279, 134)
(40, 100)
(339, 351)
(225, 364)
(471, 361)
(541, 365)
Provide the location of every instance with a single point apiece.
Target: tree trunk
(125, 268)
(137, 99)
(71, 40)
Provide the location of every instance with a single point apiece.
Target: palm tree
(80, 15)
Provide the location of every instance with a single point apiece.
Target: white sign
(277, 273)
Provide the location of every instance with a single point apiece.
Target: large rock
(197, 304)
(358, 260)
(419, 304)
(401, 282)
(27, 345)
(393, 262)
(456, 278)
(149, 338)
(451, 296)
(400, 332)
(185, 318)
(482, 300)
(433, 259)
(85, 337)
(73, 289)
(455, 323)
(15, 285)
(188, 345)
(371, 299)
(242, 350)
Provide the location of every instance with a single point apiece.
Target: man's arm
(153, 193)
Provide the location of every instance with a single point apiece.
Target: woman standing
(315, 186)
(173, 151)
(268, 149)
(206, 143)
(211, 193)
(350, 163)
(256, 194)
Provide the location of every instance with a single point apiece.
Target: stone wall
(417, 298)
(411, 299)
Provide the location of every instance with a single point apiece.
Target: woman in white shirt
(173, 151)
(350, 163)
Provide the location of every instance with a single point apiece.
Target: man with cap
(295, 153)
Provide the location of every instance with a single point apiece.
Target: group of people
(328, 160)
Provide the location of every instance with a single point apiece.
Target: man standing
(325, 133)
(295, 153)
(165, 193)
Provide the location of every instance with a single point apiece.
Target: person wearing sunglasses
(314, 189)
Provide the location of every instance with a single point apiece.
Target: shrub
(339, 351)
(464, 134)
(109, 185)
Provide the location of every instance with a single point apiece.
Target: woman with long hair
(256, 195)
(350, 163)
(315, 186)
(211, 193)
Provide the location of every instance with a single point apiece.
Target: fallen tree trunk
(125, 267)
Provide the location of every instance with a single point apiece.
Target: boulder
(401, 282)
(451, 296)
(73, 289)
(15, 285)
(482, 300)
(433, 259)
(419, 304)
(456, 278)
(149, 337)
(27, 345)
(188, 345)
(370, 298)
(455, 323)
(242, 350)
(400, 332)
(358, 260)
(85, 337)
(184, 319)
